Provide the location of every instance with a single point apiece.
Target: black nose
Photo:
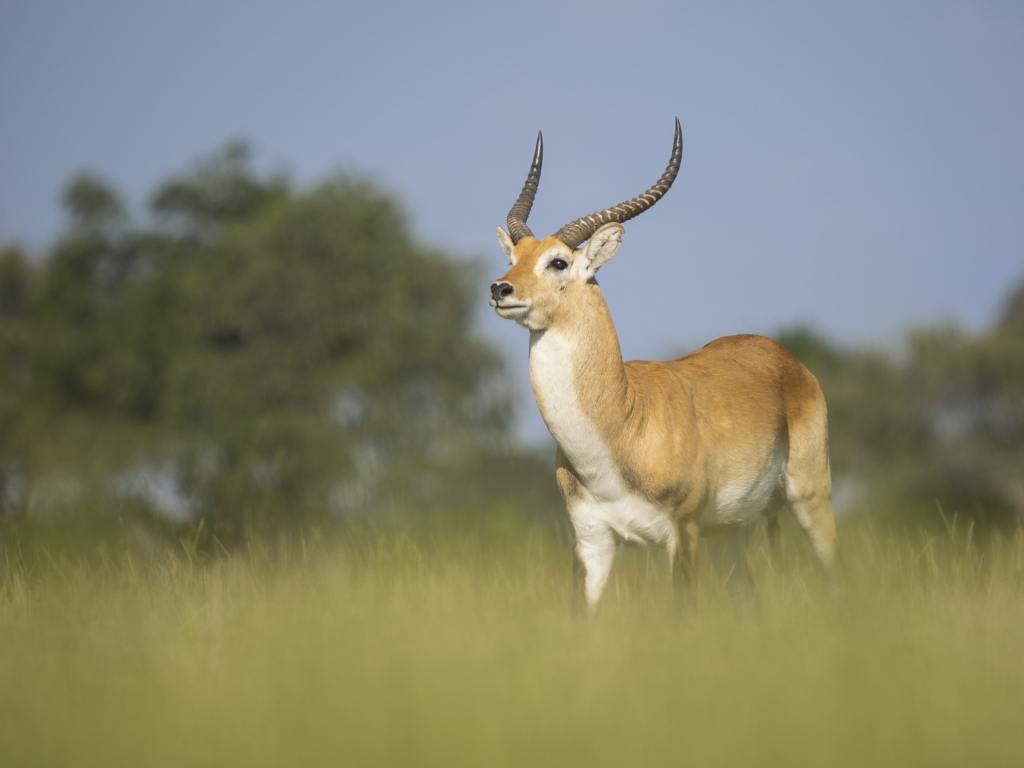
(501, 290)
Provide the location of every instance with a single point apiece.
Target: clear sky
(858, 166)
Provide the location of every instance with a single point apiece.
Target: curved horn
(580, 230)
(517, 228)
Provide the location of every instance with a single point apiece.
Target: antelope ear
(506, 243)
(603, 245)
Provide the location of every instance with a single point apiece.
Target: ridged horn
(517, 228)
(580, 230)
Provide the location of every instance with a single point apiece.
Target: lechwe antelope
(658, 452)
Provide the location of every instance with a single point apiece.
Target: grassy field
(459, 649)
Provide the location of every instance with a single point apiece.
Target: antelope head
(548, 276)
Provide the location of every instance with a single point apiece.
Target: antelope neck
(581, 388)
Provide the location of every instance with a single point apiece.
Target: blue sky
(855, 166)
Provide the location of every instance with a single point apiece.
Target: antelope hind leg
(729, 556)
(683, 554)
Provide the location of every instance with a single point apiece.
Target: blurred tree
(276, 354)
(1011, 321)
(323, 344)
(96, 346)
(15, 325)
(220, 189)
(15, 276)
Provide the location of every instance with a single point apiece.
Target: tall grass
(459, 649)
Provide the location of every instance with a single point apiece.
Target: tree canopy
(255, 350)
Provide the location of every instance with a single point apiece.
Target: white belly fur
(743, 502)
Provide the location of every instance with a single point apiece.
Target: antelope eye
(559, 264)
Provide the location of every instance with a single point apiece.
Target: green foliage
(265, 355)
(15, 286)
(221, 189)
(1011, 322)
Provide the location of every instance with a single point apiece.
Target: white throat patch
(552, 371)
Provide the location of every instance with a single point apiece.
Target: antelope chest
(630, 517)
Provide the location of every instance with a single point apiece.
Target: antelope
(660, 453)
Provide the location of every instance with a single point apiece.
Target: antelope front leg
(579, 583)
(684, 562)
(592, 562)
